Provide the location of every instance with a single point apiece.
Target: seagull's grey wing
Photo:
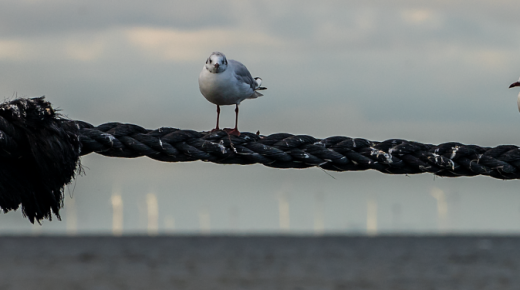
(242, 73)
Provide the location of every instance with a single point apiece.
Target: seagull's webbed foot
(231, 131)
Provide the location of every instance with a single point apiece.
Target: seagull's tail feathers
(259, 85)
(255, 95)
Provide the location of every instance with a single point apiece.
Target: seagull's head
(516, 84)
(216, 62)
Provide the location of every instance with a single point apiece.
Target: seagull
(516, 84)
(227, 82)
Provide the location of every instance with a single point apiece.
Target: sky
(427, 71)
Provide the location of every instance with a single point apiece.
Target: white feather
(518, 102)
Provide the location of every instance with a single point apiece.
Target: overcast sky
(429, 71)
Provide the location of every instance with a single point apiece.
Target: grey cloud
(19, 18)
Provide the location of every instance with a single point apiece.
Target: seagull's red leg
(218, 116)
(235, 130)
(236, 118)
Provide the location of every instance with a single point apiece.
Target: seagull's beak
(515, 84)
(217, 65)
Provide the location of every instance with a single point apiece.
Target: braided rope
(40, 151)
(282, 150)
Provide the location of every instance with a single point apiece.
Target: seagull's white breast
(518, 102)
(223, 88)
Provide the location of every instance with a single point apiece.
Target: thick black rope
(283, 150)
(39, 152)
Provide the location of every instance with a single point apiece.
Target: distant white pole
(204, 220)
(72, 217)
(396, 216)
(442, 209)
(152, 210)
(36, 229)
(283, 211)
(117, 214)
(319, 223)
(372, 217)
(169, 223)
(234, 219)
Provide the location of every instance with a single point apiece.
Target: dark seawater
(260, 262)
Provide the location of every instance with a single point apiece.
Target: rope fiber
(40, 153)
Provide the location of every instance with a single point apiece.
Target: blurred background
(428, 71)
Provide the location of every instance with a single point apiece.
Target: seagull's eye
(207, 60)
(210, 60)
